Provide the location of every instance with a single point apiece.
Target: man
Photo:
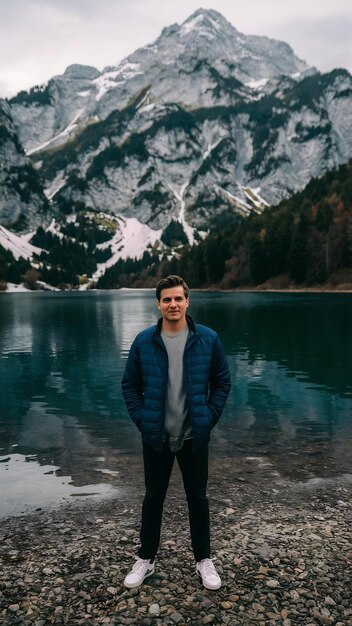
(175, 387)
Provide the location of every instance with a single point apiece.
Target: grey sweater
(177, 423)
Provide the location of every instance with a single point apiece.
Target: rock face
(181, 126)
(203, 62)
(22, 201)
(52, 109)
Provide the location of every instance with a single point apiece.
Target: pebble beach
(281, 546)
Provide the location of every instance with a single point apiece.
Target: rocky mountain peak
(206, 20)
(76, 70)
(206, 34)
(187, 128)
(198, 63)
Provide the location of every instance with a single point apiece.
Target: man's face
(173, 304)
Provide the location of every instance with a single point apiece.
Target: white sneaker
(141, 569)
(207, 572)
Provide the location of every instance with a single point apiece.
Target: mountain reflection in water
(62, 358)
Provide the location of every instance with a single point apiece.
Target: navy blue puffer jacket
(206, 376)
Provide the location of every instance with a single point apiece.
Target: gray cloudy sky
(40, 38)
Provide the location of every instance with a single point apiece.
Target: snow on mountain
(15, 288)
(245, 201)
(131, 239)
(50, 111)
(65, 133)
(107, 80)
(55, 185)
(17, 245)
(139, 160)
(188, 128)
(186, 61)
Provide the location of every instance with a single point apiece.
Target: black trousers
(157, 471)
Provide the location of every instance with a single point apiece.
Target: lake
(65, 432)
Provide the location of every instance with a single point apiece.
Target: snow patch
(181, 216)
(58, 182)
(238, 204)
(105, 85)
(28, 236)
(43, 286)
(192, 24)
(108, 81)
(54, 228)
(257, 84)
(13, 287)
(147, 108)
(253, 201)
(130, 240)
(205, 32)
(211, 147)
(19, 247)
(256, 199)
(66, 132)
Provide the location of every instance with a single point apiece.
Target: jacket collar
(189, 320)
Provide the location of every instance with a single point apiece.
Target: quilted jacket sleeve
(132, 388)
(219, 383)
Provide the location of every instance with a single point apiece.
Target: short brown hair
(171, 281)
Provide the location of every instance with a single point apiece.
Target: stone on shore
(283, 558)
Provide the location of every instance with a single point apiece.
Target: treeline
(120, 274)
(304, 241)
(64, 262)
(60, 267)
(11, 271)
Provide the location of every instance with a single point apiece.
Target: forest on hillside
(306, 240)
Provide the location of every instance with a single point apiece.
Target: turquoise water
(64, 429)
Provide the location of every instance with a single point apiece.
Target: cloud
(323, 42)
(40, 38)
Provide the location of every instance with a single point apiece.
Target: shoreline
(319, 290)
(258, 290)
(281, 547)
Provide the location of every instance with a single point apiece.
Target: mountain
(23, 204)
(305, 242)
(203, 62)
(200, 125)
(18, 246)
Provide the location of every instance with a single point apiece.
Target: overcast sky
(40, 38)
